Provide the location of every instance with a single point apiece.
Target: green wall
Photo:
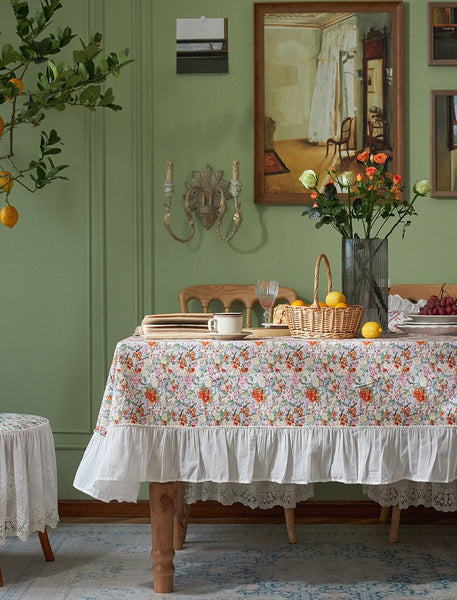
(89, 257)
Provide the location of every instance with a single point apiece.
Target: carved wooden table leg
(394, 523)
(181, 517)
(162, 498)
(46, 545)
(289, 514)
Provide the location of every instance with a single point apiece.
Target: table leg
(394, 523)
(181, 517)
(289, 514)
(162, 498)
(46, 545)
(384, 515)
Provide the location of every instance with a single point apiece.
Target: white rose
(347, 179)
(423, 187)
(308, 179)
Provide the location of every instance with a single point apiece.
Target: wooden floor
(299, 155)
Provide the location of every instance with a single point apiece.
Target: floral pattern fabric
(15, 422)
(282, 382)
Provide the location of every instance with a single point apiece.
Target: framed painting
(443, 133)
(328, 85)
(442, 33)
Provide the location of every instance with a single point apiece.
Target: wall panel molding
(97, 355)
(143, 156)
(311, 511)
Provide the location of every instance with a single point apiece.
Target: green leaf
(79, 56)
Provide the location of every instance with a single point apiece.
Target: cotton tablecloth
(283, 410)
(28, 476)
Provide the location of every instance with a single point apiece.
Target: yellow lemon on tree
(18, 83)
(371, 329)
(6, 182)
(298, 303)
(334, 298)
(2, 126)
(9, 216)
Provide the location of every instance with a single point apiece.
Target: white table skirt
(114, 465)
(28, 476)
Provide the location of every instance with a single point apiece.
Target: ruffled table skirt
(265, 467)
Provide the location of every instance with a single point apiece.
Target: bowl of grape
(437, 317)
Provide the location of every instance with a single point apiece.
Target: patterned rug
(226, 562)
(273, 165)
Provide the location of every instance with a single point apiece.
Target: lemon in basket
(371, 330)
(298, 303)
(334, 298)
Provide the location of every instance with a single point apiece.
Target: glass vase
(365, 277)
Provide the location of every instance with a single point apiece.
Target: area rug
(226, 562)
(273, 165)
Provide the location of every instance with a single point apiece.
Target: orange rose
(359, 177)
(397, 179)
(363, 156)
(380, 158)
(314, 195)
(371, 171)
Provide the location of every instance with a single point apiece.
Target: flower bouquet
(372, 202)
(365, 209)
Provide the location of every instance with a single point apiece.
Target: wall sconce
(207, 196)
(389, 72)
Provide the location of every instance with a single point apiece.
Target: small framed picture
(442, 33)
(443, 152)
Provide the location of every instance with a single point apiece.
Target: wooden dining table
(277, 411)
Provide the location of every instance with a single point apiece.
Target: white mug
(226, 323)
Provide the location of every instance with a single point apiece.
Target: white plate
(428, 329)
(431, 319)
(233, 336)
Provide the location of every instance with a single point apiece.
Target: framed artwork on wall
(328, 85)
(443, 153)
(442, 33)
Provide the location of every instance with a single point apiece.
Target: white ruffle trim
(260, 494)
(114, 465)
(440, 496)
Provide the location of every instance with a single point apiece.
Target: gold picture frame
(291, 94)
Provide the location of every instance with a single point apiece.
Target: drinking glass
(266, 293)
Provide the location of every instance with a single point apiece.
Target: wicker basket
(316, 321)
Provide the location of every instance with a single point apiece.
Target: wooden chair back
(378, 133)
(344, 139)
(228, 294)
(422, 291)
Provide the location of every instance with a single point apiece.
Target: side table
(28, 479)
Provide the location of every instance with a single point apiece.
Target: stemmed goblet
(266, 293)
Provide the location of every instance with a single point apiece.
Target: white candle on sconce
(235, 170)
(169, 172)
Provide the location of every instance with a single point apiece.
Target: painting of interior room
(328, 94)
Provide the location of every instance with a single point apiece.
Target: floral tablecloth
(283, 410)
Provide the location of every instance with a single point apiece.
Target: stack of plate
(175, 325)
(429, 324)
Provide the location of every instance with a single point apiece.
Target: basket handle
(316, 278)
